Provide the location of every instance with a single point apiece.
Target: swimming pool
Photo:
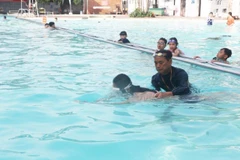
(43, 72)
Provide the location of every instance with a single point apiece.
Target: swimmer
(173, 43)
(161, 44)
(221, 56)
(46, 25)
(4, 17)
(56, 19)
(210, 19)
(123, 37)
(124, 84)
(52, 25)
(230, 19)
(218, 38)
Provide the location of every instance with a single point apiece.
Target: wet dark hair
(123, 33)
(166, 53)
(51, 24)
(230, 13)
(173, 39)
(163, 39)
(227, 51)
(46, 24)
(121, 81)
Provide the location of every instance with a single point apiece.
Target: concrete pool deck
(87, 16)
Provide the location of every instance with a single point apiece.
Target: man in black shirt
(173, 80)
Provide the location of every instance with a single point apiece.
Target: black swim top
(125, 40)
(133, 89)
(176, 81)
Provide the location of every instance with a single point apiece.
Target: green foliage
(139, 13)
(76, 2)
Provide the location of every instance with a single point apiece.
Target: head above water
(123, 33)
(46, 25)
(5, 17)
(173, 40)
(163, 53)
(161, 44)
(224, 53)
(122, 81)
(51, 24)
(163, 61)
(230, 13)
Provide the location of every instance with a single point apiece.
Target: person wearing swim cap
(171, 79)
(161, 44)
(173, 43)
(123, 37)
(222, 56)
(124, 84)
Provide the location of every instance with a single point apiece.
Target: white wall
(131, 6)
(236, 8)
(192, 7)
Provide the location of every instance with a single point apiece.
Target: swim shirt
(176, 81)
(125, 40)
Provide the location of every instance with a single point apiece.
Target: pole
(70, 7)
(87, 6)
(36, 6)
(21, 6)
(29, 1)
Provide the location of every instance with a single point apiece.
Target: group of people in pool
(169, 78)
(221, 56)
(230, 19)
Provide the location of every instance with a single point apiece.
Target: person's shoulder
(178, 71)
(125, 40)
(155, 76)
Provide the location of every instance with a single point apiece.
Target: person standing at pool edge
(123, 37)
(173, 80)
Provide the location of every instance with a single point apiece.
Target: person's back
(230, 19)
(124, 84)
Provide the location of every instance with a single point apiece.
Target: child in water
(221, 56)
(210, 19)
(124, 84)
(123, 37)
(161, 44)
(173, 43)
(230, 19)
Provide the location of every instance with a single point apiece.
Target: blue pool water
(44, 72)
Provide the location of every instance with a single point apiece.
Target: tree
(64, 4)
